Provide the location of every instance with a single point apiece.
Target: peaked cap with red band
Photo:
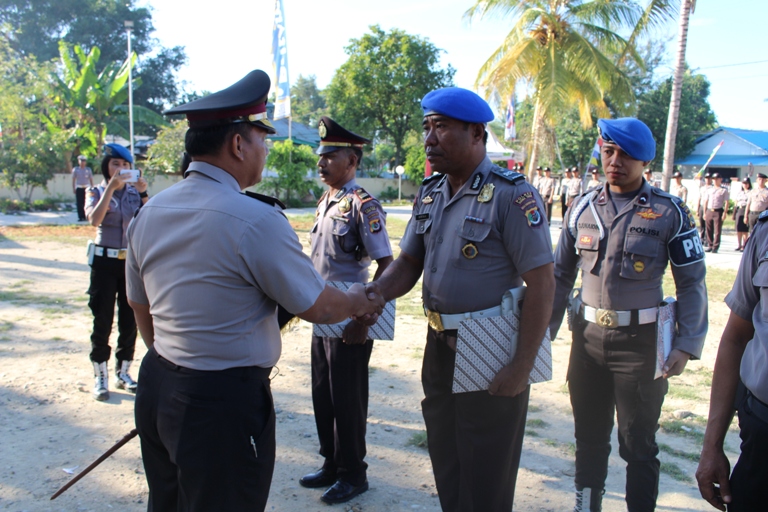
(242, 102)
(333, 137)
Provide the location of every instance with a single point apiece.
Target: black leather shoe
(343, 491)
(321, 478)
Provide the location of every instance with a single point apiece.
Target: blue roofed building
(743, 153)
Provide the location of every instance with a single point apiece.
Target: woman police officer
(110, 206)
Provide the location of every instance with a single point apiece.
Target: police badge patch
(527, 203)
(374, 225)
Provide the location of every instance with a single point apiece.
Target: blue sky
(226, 39)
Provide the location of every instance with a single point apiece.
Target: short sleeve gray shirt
(213, 263)
(476, 244)
(749, 300)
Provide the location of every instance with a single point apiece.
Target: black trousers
(750, 474)
(611, 370)
(714, 220)
(108, 284)
(340, 400)
(548, 209)
(80, 199)
(207, 438)
(475, 439)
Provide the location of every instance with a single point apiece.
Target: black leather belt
(255, 371)
(718, 209)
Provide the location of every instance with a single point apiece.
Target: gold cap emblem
(322, 130)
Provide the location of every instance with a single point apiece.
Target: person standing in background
(82, 178)
(110, 207)
(701, 207)
(350, 230)
(717, 209)
(740, 213)
(547, 192)
(678, 189)
(757, 202)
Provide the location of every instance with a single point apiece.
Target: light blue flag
(280, 64)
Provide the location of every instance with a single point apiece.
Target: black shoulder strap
(514, 177)
(273, 201)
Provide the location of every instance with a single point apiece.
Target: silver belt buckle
(607, 318)
(434, 321)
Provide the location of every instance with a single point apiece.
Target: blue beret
(631, 135)
(118, 151)
(457, 103)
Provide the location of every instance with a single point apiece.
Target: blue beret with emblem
(118, 151)
(631, 135)
(457, 103)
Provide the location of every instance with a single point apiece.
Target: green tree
(415, 163)
(307, 101)
(35, 27)
(378, 91)
(164, 156)
(291, 162)
(92, 102)
(575, 141)
(567, 51)
(695, 116)
(31, 162)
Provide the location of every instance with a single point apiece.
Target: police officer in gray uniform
(110, 206)
(740, 381)
(621, 236)
(349, 232)
(476, 231)
(207, 266)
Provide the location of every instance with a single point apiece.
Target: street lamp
(399, 170)
(128, 30)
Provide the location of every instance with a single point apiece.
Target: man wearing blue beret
(622, 235)
(476, 232)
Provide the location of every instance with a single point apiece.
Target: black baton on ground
(130, 435)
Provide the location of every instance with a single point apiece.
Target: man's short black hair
(208, 140)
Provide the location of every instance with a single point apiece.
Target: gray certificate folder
(485, 345)
(383, 329)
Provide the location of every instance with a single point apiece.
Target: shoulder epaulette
(763, 216)
(431, 178)
(514, 177)
(362, 195)
(272, 201)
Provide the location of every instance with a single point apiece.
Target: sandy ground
(51, 427)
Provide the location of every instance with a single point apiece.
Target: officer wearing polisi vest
(621, 236)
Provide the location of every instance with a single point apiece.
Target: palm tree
(686, 9)
(569, 52)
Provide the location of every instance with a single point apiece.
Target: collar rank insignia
(476, 181)
(486, 194)
(649, 215)
(427, 200)
(340, 194)
(345, 205)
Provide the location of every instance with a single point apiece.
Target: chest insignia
(339, 217)
(649, 214)
(470, 251)
(486, 193)
(427, 200)
(585, 239)
(345, 205)
(639, 266)
(374, 225)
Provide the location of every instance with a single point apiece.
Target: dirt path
(51, 426)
